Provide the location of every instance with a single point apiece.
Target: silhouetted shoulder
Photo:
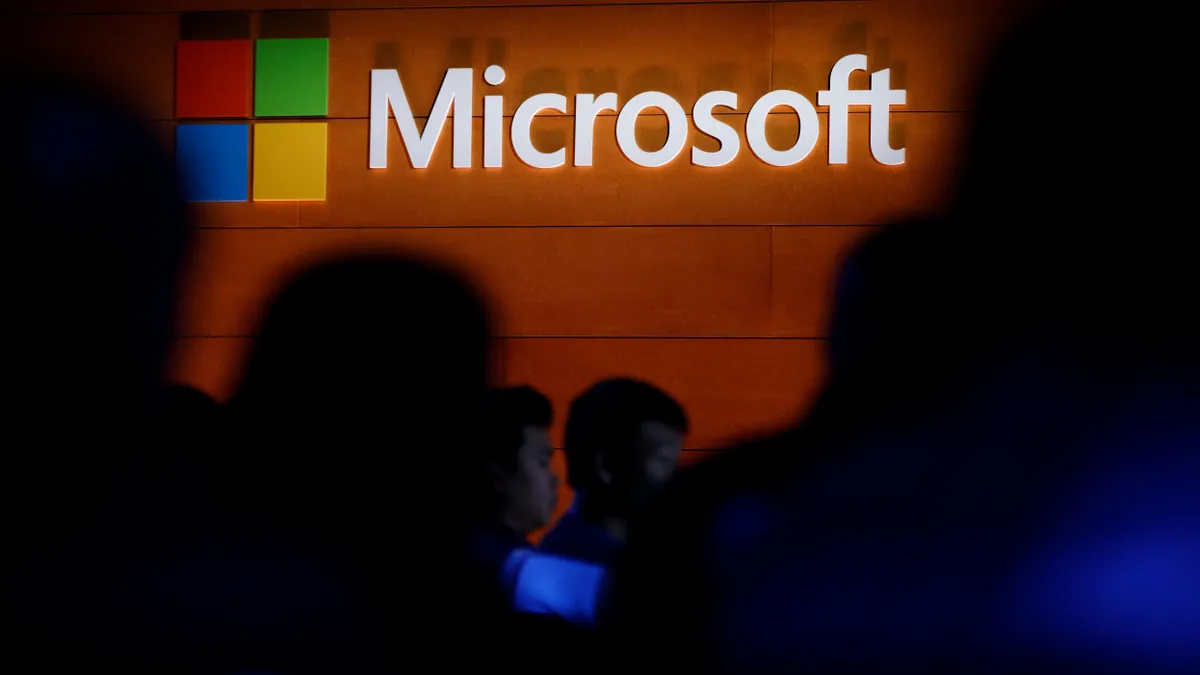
(660, 589)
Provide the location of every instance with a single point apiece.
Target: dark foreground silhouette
(997, 370)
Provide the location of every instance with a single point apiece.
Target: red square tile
(212, 78)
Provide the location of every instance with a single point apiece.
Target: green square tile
(291, 78)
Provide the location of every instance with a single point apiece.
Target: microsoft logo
(225, 160)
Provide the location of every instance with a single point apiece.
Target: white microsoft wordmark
(388, 99)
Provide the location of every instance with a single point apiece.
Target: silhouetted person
(926, 542)
(516, 493)
(516, 488)
(96, 266)
(352, 453)
(623, 439)
(101, 256)
(110, 234)
(878, 369)
(353, 424)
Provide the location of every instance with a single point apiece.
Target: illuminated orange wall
(713, 283)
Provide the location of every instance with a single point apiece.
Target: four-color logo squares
(218, 82)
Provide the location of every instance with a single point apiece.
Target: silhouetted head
(909, 328)
(100, 251)
(1053, 127)
(623, 439)
(895, 321)
(363, 393)
(1071, 190)
(186, 405)
(517, 487)
(370, 343)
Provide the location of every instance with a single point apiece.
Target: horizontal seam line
(571, 337)
(243, 120)
(517, 5)
(318, 228)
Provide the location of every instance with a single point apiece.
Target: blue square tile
(214, 160)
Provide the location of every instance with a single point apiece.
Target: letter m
(387, 97)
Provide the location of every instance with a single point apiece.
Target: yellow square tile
(289, 161)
